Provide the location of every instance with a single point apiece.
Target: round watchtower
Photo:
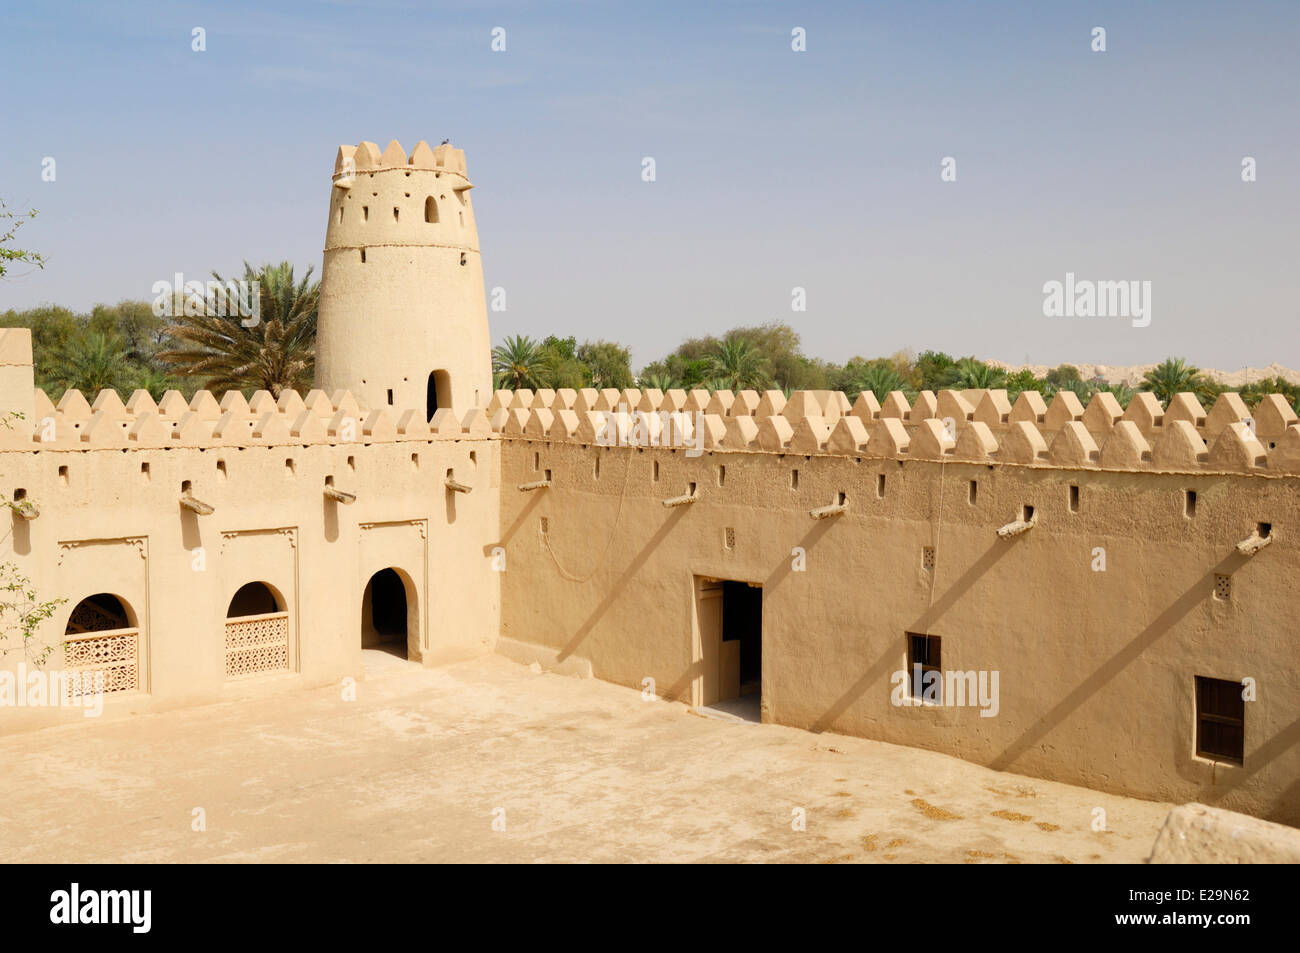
(403, 318)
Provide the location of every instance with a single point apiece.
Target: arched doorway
(257, 631)
(101, 639)
(389, 620)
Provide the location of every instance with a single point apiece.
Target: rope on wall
(613, 532)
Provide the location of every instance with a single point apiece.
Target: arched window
(431, 210)
(257, 632)
(101, 647)
(437, 393)
(254, 598)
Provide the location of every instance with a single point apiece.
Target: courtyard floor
(429, 765)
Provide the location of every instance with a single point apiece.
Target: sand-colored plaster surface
(414, 768)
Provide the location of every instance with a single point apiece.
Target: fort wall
(173, 509)
(1097, 667)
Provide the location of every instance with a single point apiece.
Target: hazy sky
(775, 169)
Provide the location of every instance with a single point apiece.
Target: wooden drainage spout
(339, 496)
(1017, 527)
(197, 506)
(835, 509)
(535, 485)
(452, 484)
(25, 509)
(680, 500)
(1253, 543)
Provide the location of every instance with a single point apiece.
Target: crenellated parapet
(980, 426)
(233, 420)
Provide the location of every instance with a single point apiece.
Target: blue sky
(775, 169)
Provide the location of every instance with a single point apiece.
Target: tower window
(1074, 498)
(437, 392)
(395, 211)
(431, 210)
(363, 256)
(1189, 504)
(390, 397)
(365, 213)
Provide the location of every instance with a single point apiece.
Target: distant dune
(1133, 373)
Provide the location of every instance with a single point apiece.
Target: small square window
(722, 474)
(729, 538)
(1189, 504)
(1074, 498)
(974, 492)
(927, 558)
(794, 479)
(880, 486)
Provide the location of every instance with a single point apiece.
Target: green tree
(655, 378)
(1173, 376)
(739, 365)
(973, 374)
(274, 350)
(91, 362)
(935, 370)
(1063, 374)
(10, 222)
(22, 612)
(609, 364)
(881, 379)
(518, 363)
(562, 368)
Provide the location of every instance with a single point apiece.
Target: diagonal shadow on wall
(1167, 619)
(885, 664)
(616, 587)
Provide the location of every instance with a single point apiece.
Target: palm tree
(1174, 376)
(1123, 393)
(275, 352)
(738, 365)
(880, 379)
(153, 380)
(976, 375)
(659, 381)
(91, 362)
(519, 363)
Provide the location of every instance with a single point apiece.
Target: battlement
(204, 421)
(366, 157)
(966, 426)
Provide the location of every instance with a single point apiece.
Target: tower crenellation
(403, 315)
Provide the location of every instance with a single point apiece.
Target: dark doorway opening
(742, 623)
(385, 614)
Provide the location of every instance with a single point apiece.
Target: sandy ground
(425, 761)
